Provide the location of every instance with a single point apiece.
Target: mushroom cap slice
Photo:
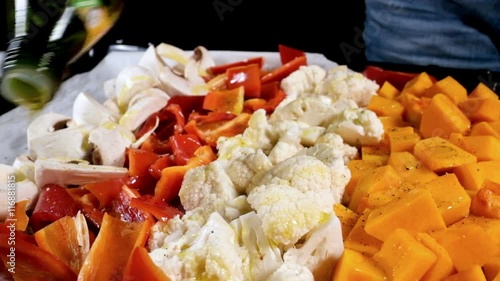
(143, 105)
(25, 165)
(24, 189)
(175, 85)
(170, 52)
(45, 124)
(130, 81)
(68, 143)
(110, 142)
(66, 174)
(151, 60)
(88, 111)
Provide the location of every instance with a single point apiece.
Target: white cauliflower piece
(342, 82)
(204, 184)
(288, 135)
(305, 80)
(292, 272)
(212, 253)
(289, 213)
(322, 248)
(264, 256)
(357, 126)
(347, 151)
(312, 110)
(242, 170)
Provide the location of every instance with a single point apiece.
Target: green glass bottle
(47, 35)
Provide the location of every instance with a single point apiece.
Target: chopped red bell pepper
(287, 54)
(247, 76)
(219, 69)
(188, 104)
(159, 209)
(140, 266)
(122, 209)
(105, 191)
(283, 71)
(164, 161)
(210, 132)
(155, 145)
(397, 78)
(183, 147)
(53, 203)
(139, 161)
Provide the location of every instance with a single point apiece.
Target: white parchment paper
(13, 124)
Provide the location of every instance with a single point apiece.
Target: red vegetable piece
(219, 69)
(139, 161)
(122, 208)
(105, 191)
(188, 104)
(397, 78)
(247, 76)
(159, 209)
(140, 266)
(183, 147)
(160, 164)
(283, 71)
(269, 90)
(287, 54)
(53, 203)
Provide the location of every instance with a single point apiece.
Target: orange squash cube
(347, 218)
(443, 266)
(385, 106)
(486, 203)
(449, 87)
(418, 84)
(483, 91)
(410, 168)
(491, 269)
(443, 117)
(387, 90)
(358, 169)
(353, 265)
(473, 273)
(480, 109)
(483, 129)
(361, 241)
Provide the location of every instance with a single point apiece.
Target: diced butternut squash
(391, 122)
(402, 142)
(410, 168)
(380, 178)
(414, 107)
(353, 265)
(385, 106)
(491, 269)
(483, 129)
(480, 109)
(450, 197)
(379, 198)
(347, 218)
(358, 169)
(470, 175)
(375, 153)
(474, 273)
(491, 226)
(440, 155)
(485, 148)
(418, 84)
(450, 88)
(468, 245)
(483, 91)
(486, 203)
(414, 212)
(361, 241)
(443, 117)
(402, 257)
(387, 90)
(443, 266)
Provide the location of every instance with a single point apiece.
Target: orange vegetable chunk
(375, 153)
(483, 91)
(399, 142)
(347, 218)
(443, 266)
(486, 203)
(485, 148)
(483, 129)
(410, 168)
(418, 84)
(480, 109)
(474, 273)
(385, 106)
(391, 122)
(468, 245)
(450, 88)
(387, 90)
(451, 198)
(402, 257)
(440, 155)
(414, 108)
(491, 269)
(442, 117)
(491, 226)
(111, 250)
(361, 241)
(225, 100)
(353, 265)
(473, 175)
(358, 169)
(415, 212)
(140, 266)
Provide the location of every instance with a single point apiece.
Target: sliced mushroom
(130, 81)
(175, 85)
(112, 106)
(25, 165)
(142, 106)
(45, 124)
(87, 111)
(110, 141)
(14, 187)
(204, 60)
(67, 174)
(68, 143)
(151, 60)
(172, 54)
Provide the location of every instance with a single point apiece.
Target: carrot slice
(111, 250)
(283, 71)
(141, 267)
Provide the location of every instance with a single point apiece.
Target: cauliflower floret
(302, 81)
(204, 184)
(288, 135)
(342, 82)
(291, 272)
(301, 172)
(289, 213)
(212, 254)
(242, 170)
(357, 126)
(312, 110)
(322, 248)
(347, 151)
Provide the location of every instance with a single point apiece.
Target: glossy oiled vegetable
(427, 197)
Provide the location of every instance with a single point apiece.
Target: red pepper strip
(287, 54)
(155, 145)
(32, 263)
(148, 125)
(122, 209)
(93, 215)
(269, 90)
(160, 164)
(397, 78)
(159, 209)
(211, 117)
(251, 105)
(210, 132)
(247, 76)
(111, 250)
(219, 69)
(283, 71)
(53, 203)
(139, 161)
(60, 238)
(22, 218)
(183, 147)
(170, 182)
(8, 227)
(188, 104)
(275, 101)
(140, 266)
(105, 191)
